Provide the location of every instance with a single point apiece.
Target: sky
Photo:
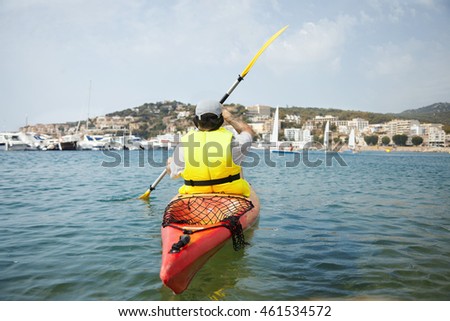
(67, 60)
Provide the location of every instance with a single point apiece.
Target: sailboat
(274, 136)
(351, 143)
(327, 146)
(326, 137)
(279, 149)
(351, 140)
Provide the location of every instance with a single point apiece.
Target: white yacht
(2, 141)
(92, 142)
(33, 140)
(69, 142)
(12, 141)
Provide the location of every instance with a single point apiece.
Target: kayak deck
(195, 227)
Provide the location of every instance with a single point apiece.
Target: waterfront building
(324, 119)
(401, 127)
(113, 122)
(307, 137)
(258, 127)
(293, 134)
(48, 129)
(358, 124)
(309, 124)
(298, 137)
(417, 130)
(434, 135)
(343, 126)
(258, 111)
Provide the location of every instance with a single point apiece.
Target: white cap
(208, 107)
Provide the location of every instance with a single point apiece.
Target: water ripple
(377, 229)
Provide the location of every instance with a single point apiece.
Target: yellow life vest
(209, 166)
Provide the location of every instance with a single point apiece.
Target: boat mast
(89, 105)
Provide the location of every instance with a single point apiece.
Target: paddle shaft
(228, 93)
(156, 182)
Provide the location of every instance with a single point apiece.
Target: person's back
(209, 158)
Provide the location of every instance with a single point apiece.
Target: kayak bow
(197, 233)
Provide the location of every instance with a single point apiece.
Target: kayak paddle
(146, 195)
(252, 62)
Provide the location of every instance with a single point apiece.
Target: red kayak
(196, 226)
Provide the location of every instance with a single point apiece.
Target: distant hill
(155, 118)
(436, 113)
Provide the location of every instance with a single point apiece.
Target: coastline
(420, 149)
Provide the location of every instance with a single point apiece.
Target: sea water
(369, 226)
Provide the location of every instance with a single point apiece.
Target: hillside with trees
(156, 118)
(435, 113)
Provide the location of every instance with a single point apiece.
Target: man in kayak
(209, 157)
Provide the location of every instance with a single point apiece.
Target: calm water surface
(377, 229)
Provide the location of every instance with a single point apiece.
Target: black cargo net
(209, 211)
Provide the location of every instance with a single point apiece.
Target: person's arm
(238, 124)
(175, 165)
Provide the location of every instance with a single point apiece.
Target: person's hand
(226, 114)
(169, 161)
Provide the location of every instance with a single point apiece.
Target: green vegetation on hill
(155, 118)
(436, 113)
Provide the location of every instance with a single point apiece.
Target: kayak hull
(178, 269)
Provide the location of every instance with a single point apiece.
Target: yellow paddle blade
(145, 196)
(267, 44)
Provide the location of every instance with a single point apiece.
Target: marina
(20, 141)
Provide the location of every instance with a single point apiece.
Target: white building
(324, 119)
(258, 111)
(358, 124)
(183, 114)
(293, 134)
(114, 122)
(258, 127)
(401, 127)
(300, 137)
(293, 119)
(307, 137)
(434, 135)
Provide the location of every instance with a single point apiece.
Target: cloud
(407, 74)
(365, 17)
(432, 4)
(138, 51)
(320, 42)
(388, 60)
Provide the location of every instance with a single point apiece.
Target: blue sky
(379, 56)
